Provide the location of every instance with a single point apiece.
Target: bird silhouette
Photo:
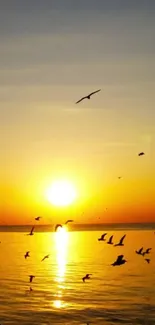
(110, 241)
(147, 260)
(102, 237)
(147, 251)
(60, 225)
(31, 277)
(119, 261)
(37, 218)
(27, 254)
(141, 154)
(139, 252)
(88, 96)
(86, 277)
(31, 233)
(121, 241)
(44, 258)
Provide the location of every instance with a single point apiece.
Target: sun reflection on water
(61, 245)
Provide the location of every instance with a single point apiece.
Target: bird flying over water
(86, 277)
(141, 154)
(102, 237)
(68, 221)
(119, 261)
(44, 258)
(31, 277)
(60, 225)
(139, 252)
(37, 218)
(88, 96)
(27, 254)
(147, 260)
(110, 240)
(121, 241)
(147, 251)
(31, 232)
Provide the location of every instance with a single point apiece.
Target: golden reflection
(61, 244)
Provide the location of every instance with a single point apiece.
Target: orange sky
(50, 58)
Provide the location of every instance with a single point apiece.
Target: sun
(61, 193)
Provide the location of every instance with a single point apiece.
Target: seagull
(31, 277)
(141, 154)
(147, 260)
(140, 251)
(47, 256)
(119, 261)
(88, 96)
(110, 241)
(102, 237)
(147, 251)
(31, 232)
(87, 276)
(37, 218)
(121, 241)
(59, 225)
(27, 254)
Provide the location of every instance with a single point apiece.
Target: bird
(37, 218)
(102, 237)
(31, 277)
(46, 256)
(27, 254)
(88, 96)
(31, 233)
(87, 276)
(110, 241)
(141, 154)
(121, 241)
(119, 177)
(139, 252)
(147, 251)
(119, 261)
(147, 260)
(68, 221)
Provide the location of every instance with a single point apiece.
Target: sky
(52, 53)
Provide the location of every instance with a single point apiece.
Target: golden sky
(51, 55)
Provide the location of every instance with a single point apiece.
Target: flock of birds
(119, 260)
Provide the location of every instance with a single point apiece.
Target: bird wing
(148, 250)
(68, 221)
(120, 257)
(121, 240)
(110, 239)
(57, 226)
(80, 100)
(141, 249)
(94, 92)
(103, 235)
(32, 230)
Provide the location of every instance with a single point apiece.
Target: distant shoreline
(80, 227)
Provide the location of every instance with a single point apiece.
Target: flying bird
(119, 261)
(102, 237)
(147, 260)
(86, 277)
(37, 218)
(121, 241)
(110, 240)
(31, 277)
(31, 232)
(88, 96)
(44, 258)
(141, 154)
(139, 252)
(147, 251)
(58, 226)
(27, 254)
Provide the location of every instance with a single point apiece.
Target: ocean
(113, 295)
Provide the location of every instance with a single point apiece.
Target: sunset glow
(61, 193)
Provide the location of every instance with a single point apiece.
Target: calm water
(114, 295)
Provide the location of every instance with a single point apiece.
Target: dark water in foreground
(113, 295)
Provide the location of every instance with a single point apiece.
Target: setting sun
(61, 193)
